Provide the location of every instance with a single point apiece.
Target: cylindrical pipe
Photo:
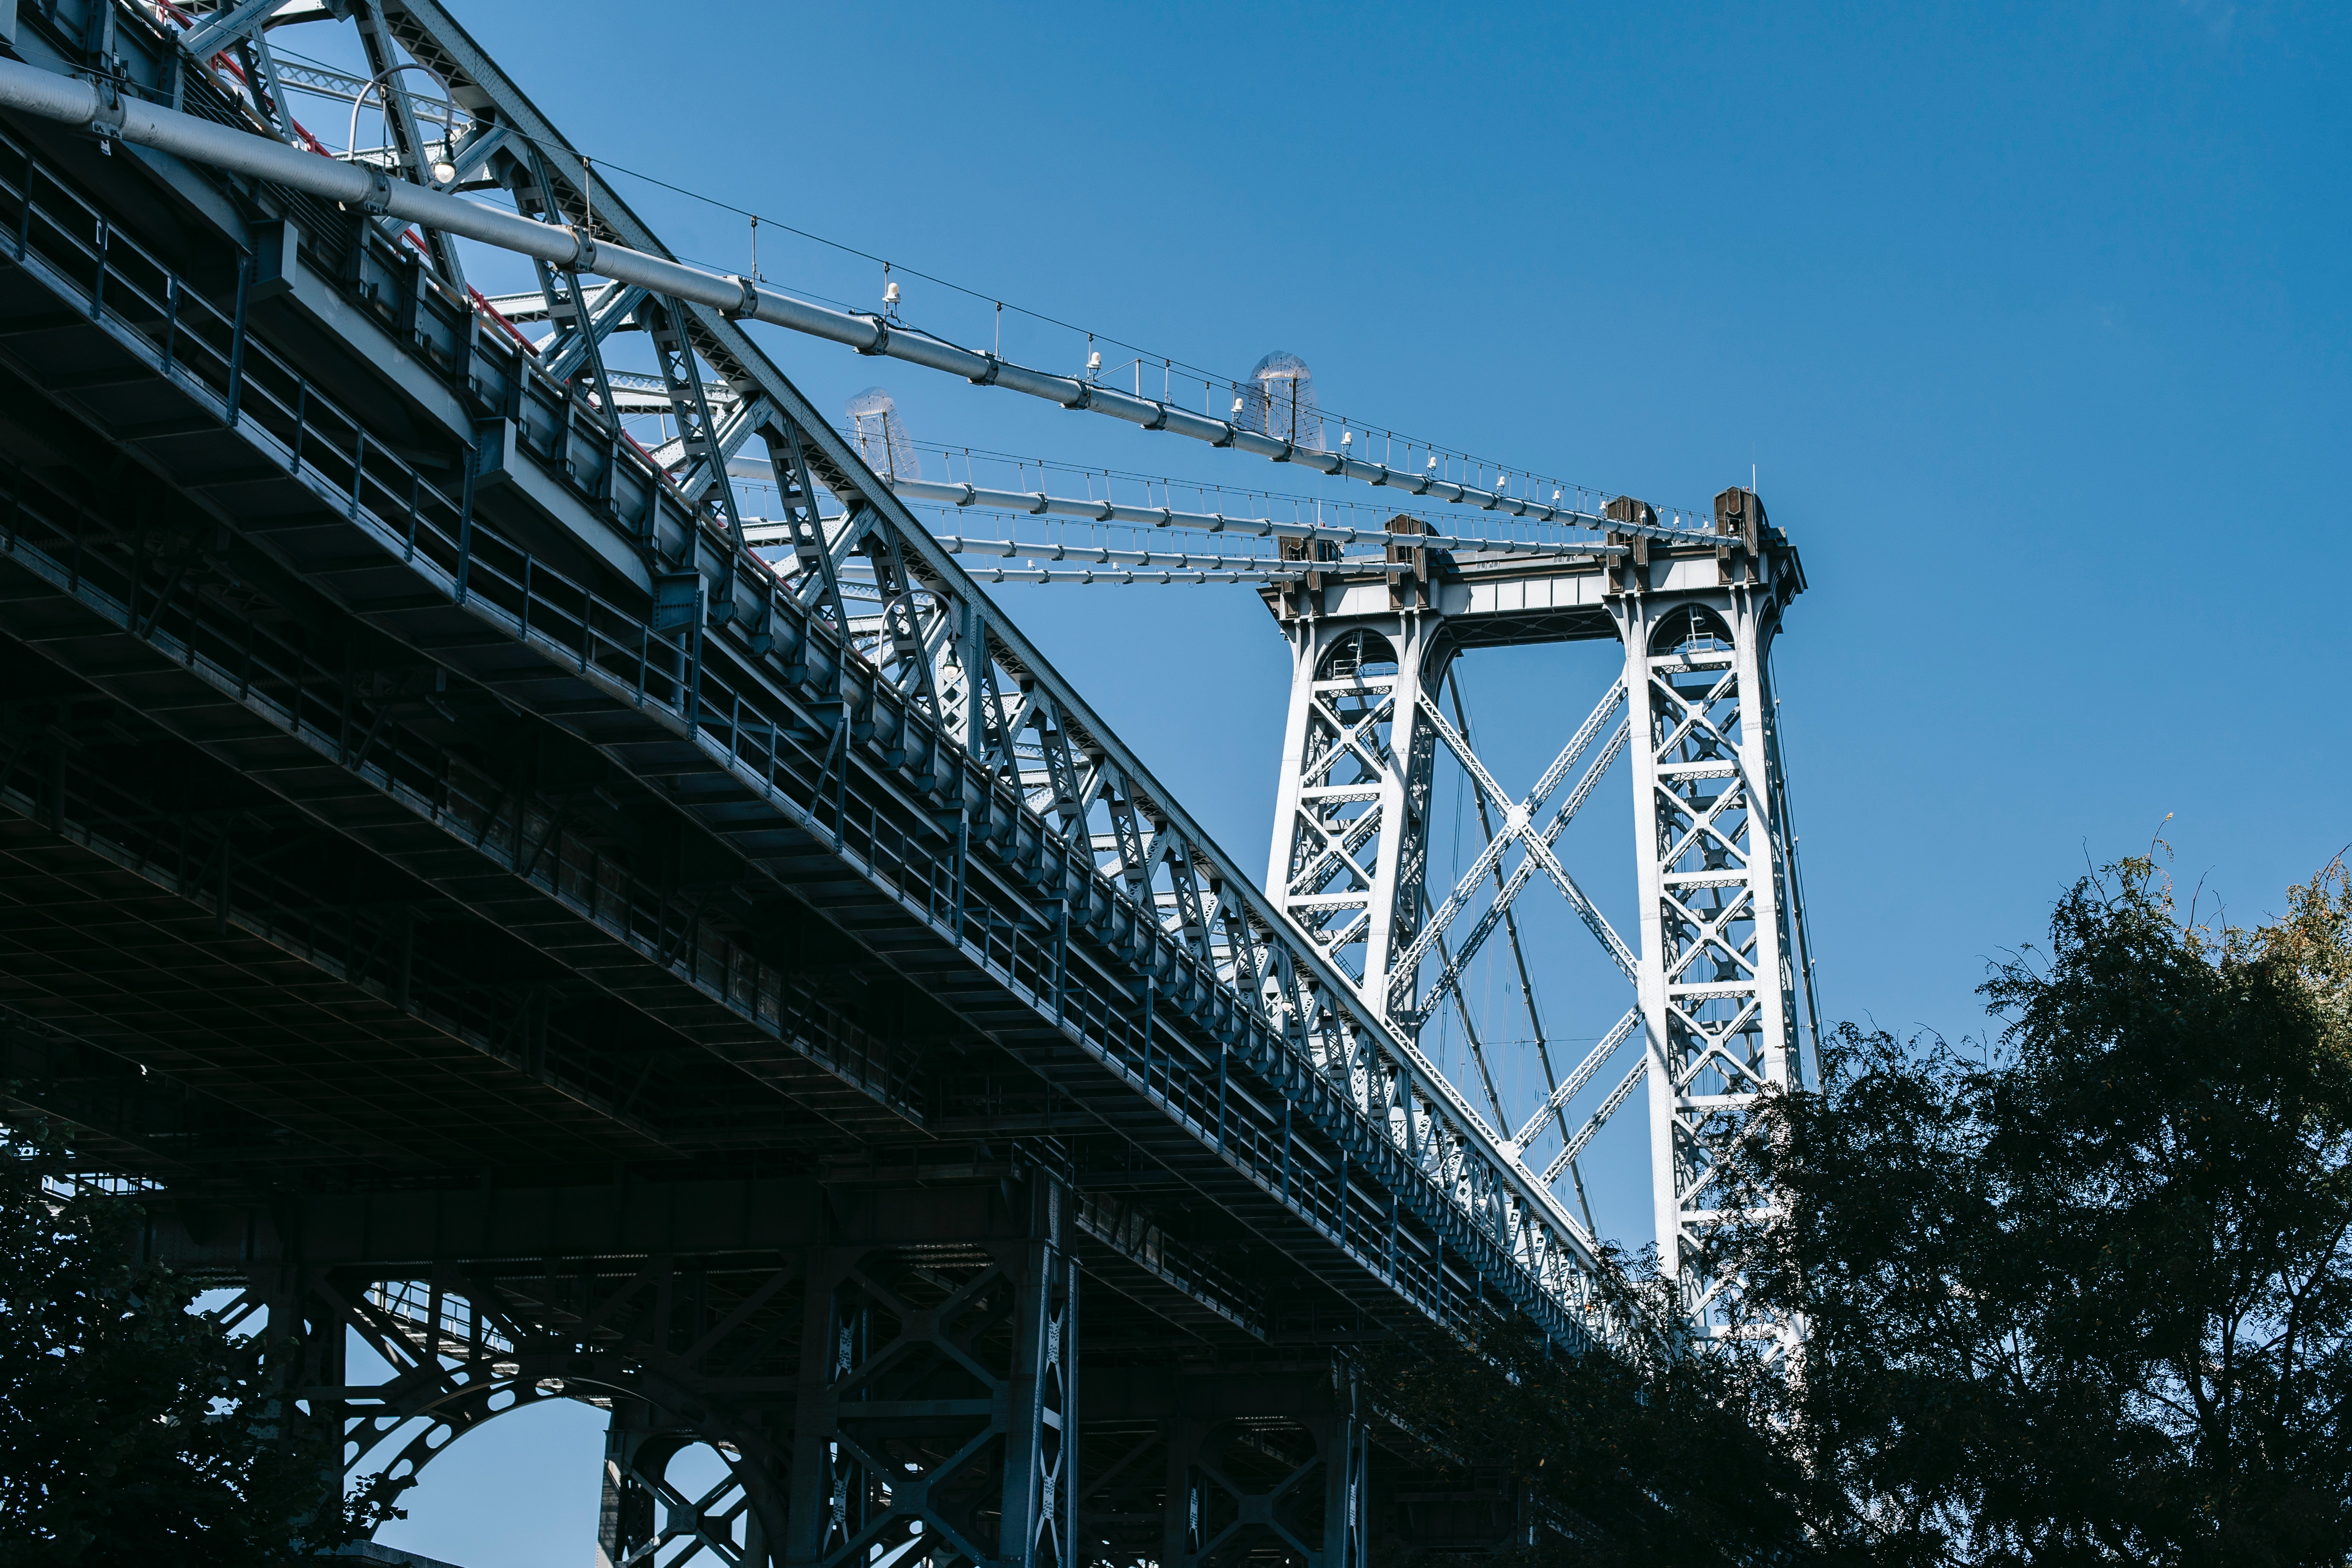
(32, 90)
(1177, 560)
(1038, 503)
(1117, 574)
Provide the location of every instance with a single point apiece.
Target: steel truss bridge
(513, 910)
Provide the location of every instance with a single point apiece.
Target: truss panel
(1708, 959)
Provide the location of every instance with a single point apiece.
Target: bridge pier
(937, 1399)
(1721, 970)
(1716, 963)
(643, 1509)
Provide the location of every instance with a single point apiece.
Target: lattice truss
(1714, 988)
(1721, 990)
(930, 669)
(861, 1406)
(456, 1349)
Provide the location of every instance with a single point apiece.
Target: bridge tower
(1714, 957)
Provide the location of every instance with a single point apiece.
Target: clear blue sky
(2031, 320)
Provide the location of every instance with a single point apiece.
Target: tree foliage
(132, 1430)
(2083, 1298)
(2080, 1296)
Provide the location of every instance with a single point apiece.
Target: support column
(937, 1399)
(1350, 836)
(1405, 841)
(1239, 1488)
(1714, 980)
(1347, 1492)
(1649, 974)
(627, 1520)
(1298, 732)
(1040, 1492)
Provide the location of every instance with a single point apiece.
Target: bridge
(508, 907)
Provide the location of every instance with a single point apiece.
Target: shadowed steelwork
(522, 922)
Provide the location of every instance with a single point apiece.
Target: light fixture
(1432, 462)
(1094, 363)
(445, 172)
(890, 292)
(1237, 405)
(1346, 437)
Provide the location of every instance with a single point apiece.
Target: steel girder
(1208, 946)
(883, 1380)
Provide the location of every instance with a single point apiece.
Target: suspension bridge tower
(1714, 958)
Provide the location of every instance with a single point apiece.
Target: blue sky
(2031, 321)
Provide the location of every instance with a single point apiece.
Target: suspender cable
(105, 111)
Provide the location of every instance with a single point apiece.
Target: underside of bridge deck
(447, 988)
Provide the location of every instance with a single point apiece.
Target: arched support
(682, 1353)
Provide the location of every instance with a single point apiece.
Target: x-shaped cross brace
(1519, 825)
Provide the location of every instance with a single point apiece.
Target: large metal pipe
(1026, 550)
(106, 112)
(1038, 503)
(1117, 576)
(761, 533)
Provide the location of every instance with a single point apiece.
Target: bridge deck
(450, 870)
(501, 783)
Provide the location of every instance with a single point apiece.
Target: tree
(2085, 1298)
(2080, 1296)
(132, 1430)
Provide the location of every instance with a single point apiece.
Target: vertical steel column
(1041, 1493)
(1350, 837)
(1347, 1481)
(627, 1522)
(1650, 975)
(1404, 842)
(1306, 648)
(1243, 1488)
(1715, 984)
(936, 1400)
